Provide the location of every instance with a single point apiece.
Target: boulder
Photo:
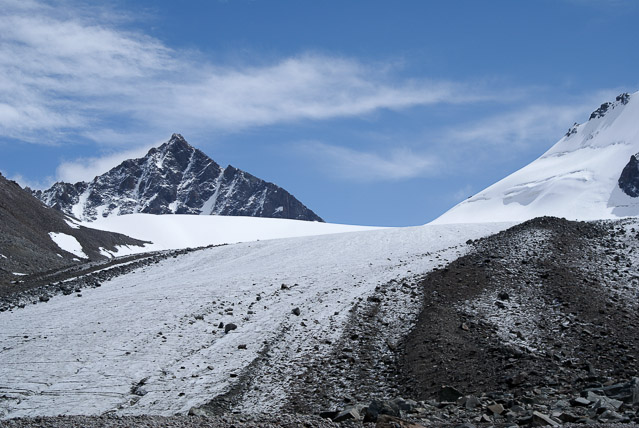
(348, 414)
(496, 409)
(449, 394)
(380, 407)
(541, 420)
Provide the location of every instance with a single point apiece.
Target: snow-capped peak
(580, 177)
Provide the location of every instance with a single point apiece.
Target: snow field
(178, 231)
(157, 327)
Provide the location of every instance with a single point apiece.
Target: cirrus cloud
(66, 74)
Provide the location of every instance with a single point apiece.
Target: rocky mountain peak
(175, 178)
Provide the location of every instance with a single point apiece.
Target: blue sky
(370, 112)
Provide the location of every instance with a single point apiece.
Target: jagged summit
(175, 144)
(591, 173)
(175, 178)
(621, 100)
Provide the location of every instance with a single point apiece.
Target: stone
(580, 402)
(329, 414)
(196, 411)
(472, 402)
(517, 409)
(610, 415)
(296, 312)
(140, 391)
(628, 392)
(568, 417)
(496, 409)
(608, 403)
(449, 394)
(540, 420)
(348, 414)
(380, 407)
(228, 327)
(402, 404)
(628, 181)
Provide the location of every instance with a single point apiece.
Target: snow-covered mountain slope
(148, 342)
(591, 173)
(184, 231)
(175, 178)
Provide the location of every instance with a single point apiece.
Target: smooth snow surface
(175, 231)
(68, 243)
(159, 325)
(576, 178)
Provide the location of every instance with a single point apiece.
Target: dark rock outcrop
(629, 178)
(621, 99)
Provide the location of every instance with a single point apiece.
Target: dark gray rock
(402, 404)
(503, 296)
(496, 409)
(228, 327)
(380, 407)
(329, 414)
(629, 179)
(607, 403)
(628, 392)
(448, 393)
(539, 420)
(621, 99)
(471, 402)
(580, 402)
(349, 414)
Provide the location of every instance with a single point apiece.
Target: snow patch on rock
(68, 243)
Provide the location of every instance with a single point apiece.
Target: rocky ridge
(174, 178)
(26, 246)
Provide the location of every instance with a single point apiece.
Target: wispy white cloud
(85, 169)
(368, 166)
(538, 124)
(65, 72)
